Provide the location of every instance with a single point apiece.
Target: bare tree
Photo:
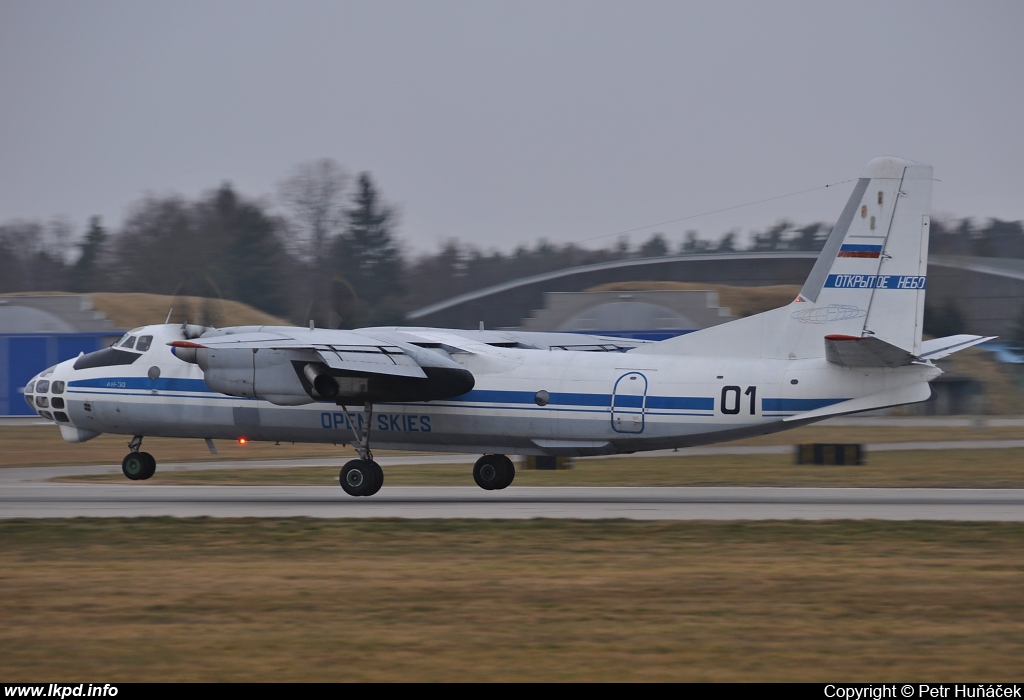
(315, 197)
(34, 255)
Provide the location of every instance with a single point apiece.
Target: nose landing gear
(138, 466)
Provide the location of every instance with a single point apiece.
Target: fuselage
(525, 401)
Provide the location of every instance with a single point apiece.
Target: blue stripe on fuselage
(143, 383)
(485, 396)
(689, 403)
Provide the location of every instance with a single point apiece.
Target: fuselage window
(42, 386)
(58, 387)
(61, 417)
(42, 402)
(46, 414)
(57, 402)
(144, 343)
(29, 387)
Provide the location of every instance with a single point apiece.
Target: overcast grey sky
(499, 123)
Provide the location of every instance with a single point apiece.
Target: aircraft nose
(45, 396)
(29, 392)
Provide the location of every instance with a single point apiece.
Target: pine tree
(368, 259)
(84, 273)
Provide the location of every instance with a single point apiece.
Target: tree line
(329, 251)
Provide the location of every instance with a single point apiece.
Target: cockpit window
(42, 386)
(58, 387)
(128, 342)
(108, 357)
(144, 343)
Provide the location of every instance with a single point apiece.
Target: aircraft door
(629, 401)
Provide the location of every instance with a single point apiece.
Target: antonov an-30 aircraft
(851, 341)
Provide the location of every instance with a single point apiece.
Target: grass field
(316, 600)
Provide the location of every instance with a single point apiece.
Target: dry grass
(136, 309)
(921, 469)
(133, 310)
(38, 445)
(315, 600)
(741, 301)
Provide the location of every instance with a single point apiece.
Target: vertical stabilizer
(869, 280)
(872, 271)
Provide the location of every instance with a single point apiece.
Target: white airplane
(851, 341)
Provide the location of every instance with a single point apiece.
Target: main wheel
(135, 466)
(361, 477)
(378, 478)
(150, 469)
(491, 472)
(510, 472)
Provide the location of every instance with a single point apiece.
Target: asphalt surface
(647, 503)
(24, 493)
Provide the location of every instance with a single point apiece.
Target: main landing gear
(363, 476)
(138, 466)
(493, 472)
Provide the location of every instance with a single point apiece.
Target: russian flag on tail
(850, 250)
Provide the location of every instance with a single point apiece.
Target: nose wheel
(138, 466)
(493, 472)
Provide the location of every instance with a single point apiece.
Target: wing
(478, 341)
(294, 366)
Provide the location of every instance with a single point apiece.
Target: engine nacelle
(324, 385)
(295, 377)
(256, 374)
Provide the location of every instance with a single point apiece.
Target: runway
(24, 493)
(27, 500)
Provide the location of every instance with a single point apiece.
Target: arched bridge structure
(988, 292)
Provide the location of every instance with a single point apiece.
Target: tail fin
(869, 280)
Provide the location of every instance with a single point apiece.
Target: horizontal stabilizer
(944, 347)
(852, 351)
(893, 397)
